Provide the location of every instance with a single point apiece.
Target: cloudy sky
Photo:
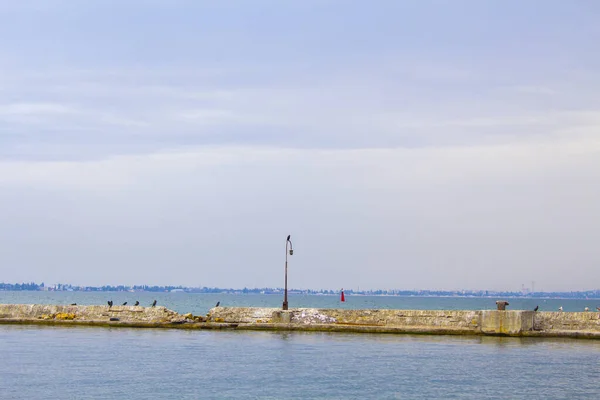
(410, 145)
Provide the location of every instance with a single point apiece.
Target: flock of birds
(561, 308)
(110, 304)
(137, 303)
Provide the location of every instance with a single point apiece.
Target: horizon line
(358, 290)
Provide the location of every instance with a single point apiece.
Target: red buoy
(343, 298)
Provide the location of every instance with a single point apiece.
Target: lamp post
(291, 252)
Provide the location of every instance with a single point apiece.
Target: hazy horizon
(524, 289)
(432, 144)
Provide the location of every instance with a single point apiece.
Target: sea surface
(121, 363)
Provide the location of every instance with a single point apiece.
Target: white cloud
(35, 109)
(535, 90)
(403, 155)
(205, 116)
(430, 217)
(133, 111)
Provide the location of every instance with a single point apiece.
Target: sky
(403, 144)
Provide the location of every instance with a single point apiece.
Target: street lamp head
(290, 242)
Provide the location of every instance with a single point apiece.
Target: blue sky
(403, 144)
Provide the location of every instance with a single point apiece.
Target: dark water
(199, 304)
(93, 363)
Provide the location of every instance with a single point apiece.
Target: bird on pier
(154, 303)
(586, 309)
(124, 304)
(536, 308)
(110, 303)
(137, 303)
(560, 308)
(73, 304)
(598, 308)
(218, 303)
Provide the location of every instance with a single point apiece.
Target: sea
(40, 362)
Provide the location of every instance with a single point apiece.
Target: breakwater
(456, 322)
(130, 316)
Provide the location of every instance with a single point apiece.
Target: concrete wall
(408, 320)
(487, 322)
(241, 314)
(506, 322)
(567, 323)
(130, 314)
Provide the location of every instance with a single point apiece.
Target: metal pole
(285, 299)
(285, 304)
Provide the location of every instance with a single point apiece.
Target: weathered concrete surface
(484, 322)
(569, 324)
(506, 322)
(92, 314)
(390, 321)
(244, 315)
(463, 321)
(456, 322)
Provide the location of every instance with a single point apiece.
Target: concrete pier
(436, 322)
(456, 322)
(90, 315)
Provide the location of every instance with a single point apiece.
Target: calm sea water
(93, 363)
(117, 363)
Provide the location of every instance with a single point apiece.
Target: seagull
(154, 303)
(598, 308)
(586, 309)
(110, 303)
(137, 303)
(560, 308)
(124, 304)
(218, 302)
(536, 308)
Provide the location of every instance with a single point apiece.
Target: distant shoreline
(491, 295)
